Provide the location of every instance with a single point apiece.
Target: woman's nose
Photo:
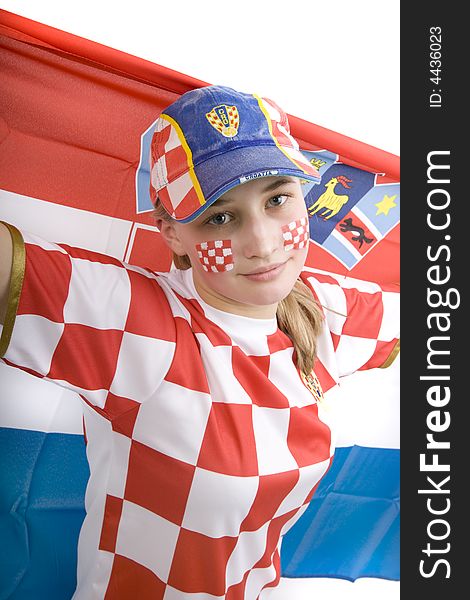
(260, 238)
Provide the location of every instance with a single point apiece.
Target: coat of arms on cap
(313, 385)
(225, 119)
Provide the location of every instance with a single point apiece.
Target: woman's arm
(5, 268)
(85, 320)
(362, 318)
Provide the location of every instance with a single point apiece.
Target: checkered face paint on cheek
(295, 234)
(215, 256)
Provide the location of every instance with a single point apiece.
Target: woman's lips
(267, 274)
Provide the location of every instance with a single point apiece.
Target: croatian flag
(75, 129)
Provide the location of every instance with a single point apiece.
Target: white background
(335, 64)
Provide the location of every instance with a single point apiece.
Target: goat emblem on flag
(350, 210)
(225, 119)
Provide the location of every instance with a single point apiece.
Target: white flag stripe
(368, 410)
(368, 397)
(333, 589)
(37, 405)
(80, 228)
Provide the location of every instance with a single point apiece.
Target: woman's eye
(219, 219)
(278, 200)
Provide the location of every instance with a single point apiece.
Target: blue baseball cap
(214, 138)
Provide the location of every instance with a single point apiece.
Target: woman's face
(251, 221)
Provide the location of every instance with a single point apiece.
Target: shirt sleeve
(362, 317)
(86, 321)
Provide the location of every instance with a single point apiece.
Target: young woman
(206, 389)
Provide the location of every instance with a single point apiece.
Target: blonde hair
(298, 314)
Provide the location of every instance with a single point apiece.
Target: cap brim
(225, 171)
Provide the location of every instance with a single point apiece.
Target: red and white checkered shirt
(204, 443)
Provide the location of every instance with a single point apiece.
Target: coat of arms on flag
(351, 210)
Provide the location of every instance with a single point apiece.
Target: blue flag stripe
(350, 528)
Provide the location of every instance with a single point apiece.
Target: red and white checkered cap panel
(215, 255)
(171, 173)
(167, 156)
(281, 132)
(280, 124)
(295, 234)
(362, 317)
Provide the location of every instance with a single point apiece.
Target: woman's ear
(168, 231)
